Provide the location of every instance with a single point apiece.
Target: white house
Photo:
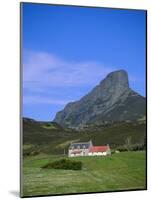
(87, 149)
(79, 149)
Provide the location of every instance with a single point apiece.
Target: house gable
(81, 145)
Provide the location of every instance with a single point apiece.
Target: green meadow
(121, 171)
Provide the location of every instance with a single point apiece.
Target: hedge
(64, 164)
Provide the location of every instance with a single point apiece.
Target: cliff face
(111, 100)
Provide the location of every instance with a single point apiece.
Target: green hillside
(49, 137)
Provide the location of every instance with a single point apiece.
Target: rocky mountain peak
(111, 100)
(118, 77)
(111, 88)
(116, 82)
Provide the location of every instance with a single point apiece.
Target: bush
(34, 153)
(112, 151)
(132, 147)
(30, 153)
(137, 147)
(64, 164)
(121, 148)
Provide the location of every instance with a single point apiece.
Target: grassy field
(116, 172)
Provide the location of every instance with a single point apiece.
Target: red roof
(98, 149)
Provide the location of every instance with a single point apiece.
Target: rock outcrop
(111, 100)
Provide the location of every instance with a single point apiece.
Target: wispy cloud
(43, 100)
(47, 77)
(45, 69)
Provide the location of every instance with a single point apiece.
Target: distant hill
(39, 132)
(110, 101)
(49, 137)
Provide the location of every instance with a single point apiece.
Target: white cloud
(44, 72)
(44, 69)
(43, 100)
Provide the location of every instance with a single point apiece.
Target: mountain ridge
(111, 100)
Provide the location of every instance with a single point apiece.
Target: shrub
(26, 153)
(121, 148)
(137, 147)
(34, 153)
(64, 164)
(132, 147)
(30, 152)
(112, 151)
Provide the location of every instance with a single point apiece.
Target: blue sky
(69, 50)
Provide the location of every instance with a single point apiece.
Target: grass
(121, 171)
